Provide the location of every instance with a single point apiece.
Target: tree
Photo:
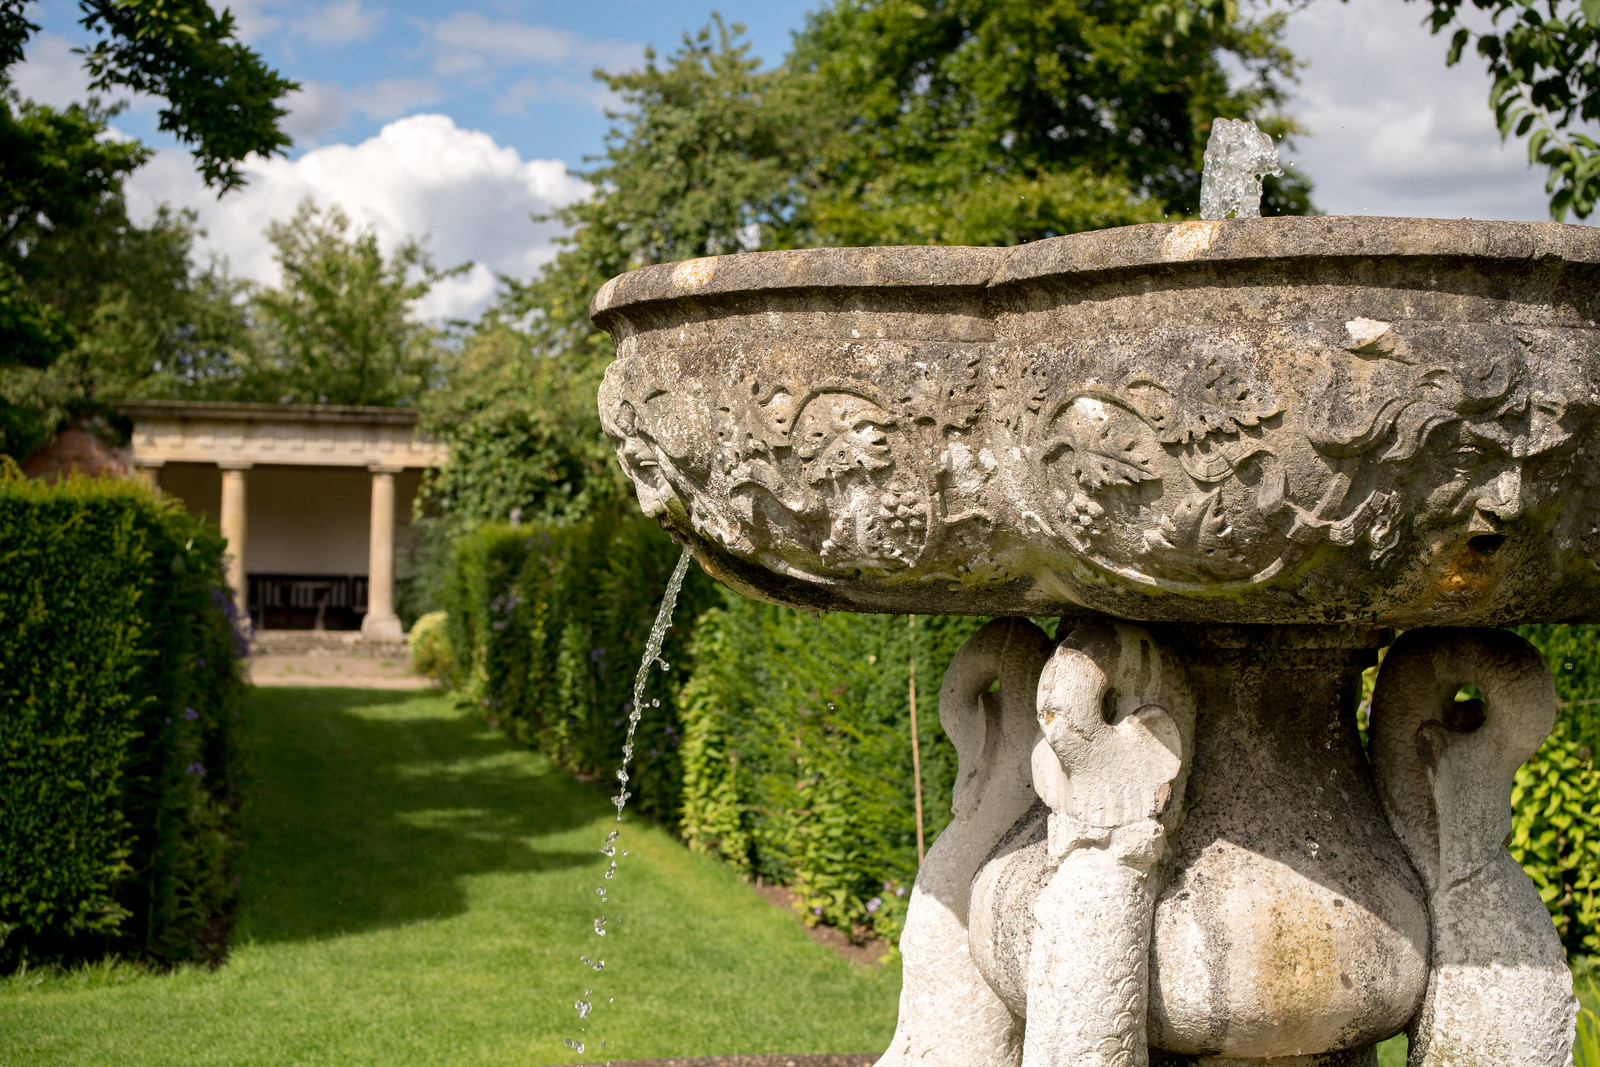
(145, 322)
(982, 121)
(60, 172)
(1543, 60)
(220, 97)
(338, 330)
(1001, 121)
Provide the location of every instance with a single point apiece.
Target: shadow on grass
(368, 808)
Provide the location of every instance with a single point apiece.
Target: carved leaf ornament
(1300, 461)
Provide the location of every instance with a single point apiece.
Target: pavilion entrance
(314, 501)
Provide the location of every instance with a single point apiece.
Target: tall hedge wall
(119, 700)
(781, 743)
(548, 624)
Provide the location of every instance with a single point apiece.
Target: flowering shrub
(1555, 835)
(119, 704)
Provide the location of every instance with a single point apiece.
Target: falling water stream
(609, 848)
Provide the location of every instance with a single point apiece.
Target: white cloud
(555, 90)
(468, 41)
(50, 73)
(1395, 131)
(419, 176)
(318, 107)
(338, 23)
(393, 96)
(314, 108)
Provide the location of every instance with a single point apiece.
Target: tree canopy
(962, 121)
(339, 329)
(59, 169)
(1002, 121)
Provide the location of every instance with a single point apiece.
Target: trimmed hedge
(775, 739)
(1556, 798)
(797, 760)
(119, 702)
(779, 741)
(548, 624)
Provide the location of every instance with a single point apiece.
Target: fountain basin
(1352, 421)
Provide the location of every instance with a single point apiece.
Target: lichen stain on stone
(1470, 574)
(694, 274)
(1189, 239)
(1297, 961)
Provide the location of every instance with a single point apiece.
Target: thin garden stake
(916, 756)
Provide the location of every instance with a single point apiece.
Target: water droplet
(1319, 789)
(1327, 744)
(583, 1006)
(594, 965)
(652, 654)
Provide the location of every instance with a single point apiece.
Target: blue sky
(518, 71)
(456, 121)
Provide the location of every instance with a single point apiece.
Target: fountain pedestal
(1234, 457)
(1292, 921)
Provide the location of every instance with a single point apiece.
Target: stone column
(381, 622)
(233, 531)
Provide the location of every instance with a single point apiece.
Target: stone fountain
(1234, 457)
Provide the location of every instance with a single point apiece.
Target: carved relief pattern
(1171, 458)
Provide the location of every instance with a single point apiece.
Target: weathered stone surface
(1380, 422)
(1499, 992)
(830, 1060)
(1292, 923)
(951, 1013)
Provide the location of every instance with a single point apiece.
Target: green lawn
(418, 890)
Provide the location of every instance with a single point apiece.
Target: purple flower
(196, 769)
(190, 714)
(900, 892)
(816, 911)
(874, 904)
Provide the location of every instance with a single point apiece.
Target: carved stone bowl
(1358, 421)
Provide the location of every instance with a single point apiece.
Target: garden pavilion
(312, 499)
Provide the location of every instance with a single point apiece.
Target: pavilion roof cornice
(245, 435)
(223, 409)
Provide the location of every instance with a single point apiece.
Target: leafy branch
(1544, 60)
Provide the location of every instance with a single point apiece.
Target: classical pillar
(381, 621)
(233, 532)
